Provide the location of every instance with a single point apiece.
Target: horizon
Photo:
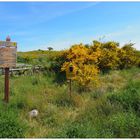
(59, 25)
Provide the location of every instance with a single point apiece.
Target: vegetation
(88, 61)
(110, 110)
(105, 100)
(11, 127)
(50, 48)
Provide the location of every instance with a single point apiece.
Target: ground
(110, 110)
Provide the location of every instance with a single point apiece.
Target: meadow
(109, 109)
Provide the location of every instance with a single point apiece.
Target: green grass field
(111, 110)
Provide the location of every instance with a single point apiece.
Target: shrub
(129, 97)
(11, 126)
(128, 56)
(83, 60)
(124, 125)
(109, 59)
(75, 130)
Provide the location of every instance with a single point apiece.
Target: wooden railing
(23, 69)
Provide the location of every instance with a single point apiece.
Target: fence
(23, 69)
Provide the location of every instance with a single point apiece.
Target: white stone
(33, 113)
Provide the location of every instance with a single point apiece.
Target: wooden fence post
(6, 96)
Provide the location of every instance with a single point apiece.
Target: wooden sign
(8, 57)
(8, 51)
(8, 44)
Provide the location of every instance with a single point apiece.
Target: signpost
(70, 74)
(7, 59)
(7, 43)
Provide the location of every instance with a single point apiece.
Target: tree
(50, 48)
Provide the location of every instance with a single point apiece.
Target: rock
(33, 113)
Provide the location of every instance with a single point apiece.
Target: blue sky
(38, 25)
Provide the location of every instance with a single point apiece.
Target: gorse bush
(128, 56)
(83, 61)
(88, 61)
(109, 59)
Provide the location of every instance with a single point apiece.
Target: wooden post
(70, 88)
(6, 96)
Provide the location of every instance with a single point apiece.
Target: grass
(110, 110)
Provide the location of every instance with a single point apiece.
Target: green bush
(129, 97)
(124, 125)
(10, 125)
(75, 130)
(119, 125)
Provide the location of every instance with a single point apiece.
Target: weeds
(110, 110)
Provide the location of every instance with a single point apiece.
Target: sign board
(8, 44)
(8, 57)
(70, 72)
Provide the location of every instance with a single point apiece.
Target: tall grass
(110, 110)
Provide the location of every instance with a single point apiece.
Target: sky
(39, 25)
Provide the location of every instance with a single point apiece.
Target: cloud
(125, 35)
(125, 31)
(49, 11)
